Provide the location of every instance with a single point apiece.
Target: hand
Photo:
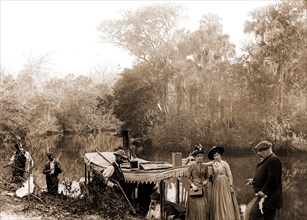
(231, 189)
(261, 194)
(195, 188)
(115, 186)
(249, 181)
(205, 182)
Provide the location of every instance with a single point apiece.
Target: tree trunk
(280, 89)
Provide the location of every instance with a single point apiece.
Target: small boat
(143, 176)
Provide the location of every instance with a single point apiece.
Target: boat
(143, 176)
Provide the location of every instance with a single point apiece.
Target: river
(70, 151)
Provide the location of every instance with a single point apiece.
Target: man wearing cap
(52, 170)
(114, 172)
(267, 184)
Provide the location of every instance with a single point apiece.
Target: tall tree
(142, 32)
(280, 42)
(276, 66)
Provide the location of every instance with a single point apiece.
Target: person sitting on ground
(154, 211)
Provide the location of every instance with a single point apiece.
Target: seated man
(154, 212)
(113, 174)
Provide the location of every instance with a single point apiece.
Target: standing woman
(223, 204)
(196, 173)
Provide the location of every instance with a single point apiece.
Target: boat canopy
(148, 172)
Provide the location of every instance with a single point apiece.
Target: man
(21, 163)
(52, 170)
(114, 172)
(267, 184)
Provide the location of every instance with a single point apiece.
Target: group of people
(22, 165)
(212, 195)
(213, 181)
(216, 199)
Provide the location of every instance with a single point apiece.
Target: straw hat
(120, 153)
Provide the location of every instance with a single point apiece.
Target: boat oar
(128, 201)
(121, 189)
(103, 156)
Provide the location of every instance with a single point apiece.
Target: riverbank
(49, 207)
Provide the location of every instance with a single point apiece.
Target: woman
(222, 204)
(196, 176)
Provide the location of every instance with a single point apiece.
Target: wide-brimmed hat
(198, 150)
(213, 150)
(120, 153)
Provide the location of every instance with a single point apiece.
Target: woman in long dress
(196, 175)
(222, 204)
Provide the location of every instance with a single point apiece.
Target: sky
(66, 31)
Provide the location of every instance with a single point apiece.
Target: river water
(69, 150)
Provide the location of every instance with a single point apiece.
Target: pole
(162, 198)
(103, 156)
(177, 191)
(85, 176)
(121, 189)
(29, 186)
(117, 182)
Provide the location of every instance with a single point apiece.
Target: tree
(12, 110)
(276, 68)
(142, 32)
(147, 33)
(280, 43)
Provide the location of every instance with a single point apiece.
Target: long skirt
(196, 208)
(222, 204)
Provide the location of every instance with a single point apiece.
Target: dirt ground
(108, 205)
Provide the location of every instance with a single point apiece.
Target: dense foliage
(193, 88)
(184, 88)
(33, 106)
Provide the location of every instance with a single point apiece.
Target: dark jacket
(118, 174)
(19, 163)
(52, 179)
(268, 180)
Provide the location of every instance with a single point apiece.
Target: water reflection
(70, 150)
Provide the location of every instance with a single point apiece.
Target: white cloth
(154, 212)
(107, 173)
(27, 187)
(29, 161)
(52, 165)
(261, 204)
